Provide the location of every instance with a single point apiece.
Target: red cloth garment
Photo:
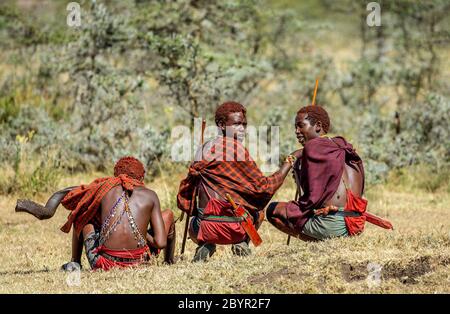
(136, 257)
(220, 232)
(322, 165)
(355, 225)
(85, 200)
(226, 167)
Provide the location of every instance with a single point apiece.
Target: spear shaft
(297, 192)
(188, 216)
(315, 92)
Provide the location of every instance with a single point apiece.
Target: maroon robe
(322, 165)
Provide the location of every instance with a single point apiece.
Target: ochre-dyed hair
(131, 167)
(316, 113)
(226, 108)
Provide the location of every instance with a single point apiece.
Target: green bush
(423, 138)
(98, 92)
(422, 176)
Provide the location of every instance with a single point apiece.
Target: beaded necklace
(108, 229)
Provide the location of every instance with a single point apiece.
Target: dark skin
(145, 207)
(305, 132)
(235, 126)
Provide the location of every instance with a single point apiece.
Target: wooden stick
(203, 132)
(188, 216)
(297, 193)
(289, 236)
(186, 227)
(315, 92)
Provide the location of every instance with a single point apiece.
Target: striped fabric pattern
(233, 172)
(84, 201)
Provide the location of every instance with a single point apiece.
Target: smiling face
(304, 131)
(235, 125)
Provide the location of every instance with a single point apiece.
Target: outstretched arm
(43, 212)
(285, 168)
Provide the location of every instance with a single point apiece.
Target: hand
(150, 239)
(325, 210)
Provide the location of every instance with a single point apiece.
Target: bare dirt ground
(414, 258)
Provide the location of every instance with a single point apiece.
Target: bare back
(354, 180)
(141, 203)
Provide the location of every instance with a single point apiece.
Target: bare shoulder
(146, 193)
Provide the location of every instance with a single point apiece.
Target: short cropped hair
(316, 113)
(130, 166)
(226, 108)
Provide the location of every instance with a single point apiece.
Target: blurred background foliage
(76, 99)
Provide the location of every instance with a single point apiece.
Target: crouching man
(117, 218)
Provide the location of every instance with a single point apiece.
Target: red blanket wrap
(322, 165)
(226, 167)
(220, 232)
(84, 201)
(136, 256)
(233, 172)
(355, 225)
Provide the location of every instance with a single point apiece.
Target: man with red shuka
(223, 165)
(331, 175)
(111, 216)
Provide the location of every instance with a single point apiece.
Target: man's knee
(167, 215)
(169, 223)
(270, 211)
(88, 229)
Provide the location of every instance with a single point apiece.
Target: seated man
(112, 216)
(331, 175)
(223, 165)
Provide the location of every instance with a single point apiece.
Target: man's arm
(43, 212)
(281, 173)
(159, 238)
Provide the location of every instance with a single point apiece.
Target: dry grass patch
(414, 258)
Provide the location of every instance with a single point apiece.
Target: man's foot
(203, 252)
(241, 249)
(71, 266)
